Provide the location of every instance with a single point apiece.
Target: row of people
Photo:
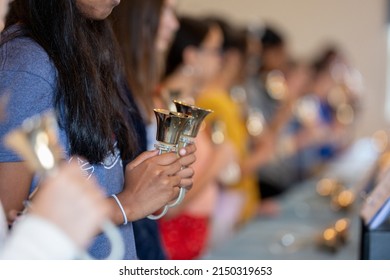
(302, 121)
(62, 56)
(105, 69)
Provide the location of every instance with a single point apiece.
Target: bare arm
(15, 181)
(211, 160)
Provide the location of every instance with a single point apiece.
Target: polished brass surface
(169, 125)
(198, 115)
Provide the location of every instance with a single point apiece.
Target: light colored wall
(358, 26)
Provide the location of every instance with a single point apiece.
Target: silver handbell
(189, 133)
(192, 128)
(37, 142)
(276, 85)
(169, 127)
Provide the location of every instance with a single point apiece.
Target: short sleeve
(27, 95)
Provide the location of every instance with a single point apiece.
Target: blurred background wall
(358, 27)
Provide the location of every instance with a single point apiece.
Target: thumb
(141, 158)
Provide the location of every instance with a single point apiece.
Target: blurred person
(287, 158)
(144, 30)
(271, 94)
(314, 136)
(337, 108)
(192, 61)
(52, 229)
(273, 58)
(216, 96)
(62, 55)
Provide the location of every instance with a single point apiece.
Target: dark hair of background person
(89, 74)
(192, 32)
(271, 38)
(233, 36)
(135, 24)
(323, 61)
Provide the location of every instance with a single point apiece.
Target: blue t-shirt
(29, 78)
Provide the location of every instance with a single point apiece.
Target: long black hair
(89, 96)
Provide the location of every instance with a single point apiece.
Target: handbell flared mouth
(170, 125)
(198, 115)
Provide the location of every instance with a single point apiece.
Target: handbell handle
(162, 148)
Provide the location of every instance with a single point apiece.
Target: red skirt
(184, 237)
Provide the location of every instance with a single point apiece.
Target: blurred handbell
(232, 173)
(328, 187)
(343, 199)
(328, 240)
(345, 114)
(170, 126)
(334, 237)
(276, 84)
(338, 100)
(342, 228)
(255, 123)
(218, 131)
(306, 110)
(36, 141)
(337, 95)
(238, 94)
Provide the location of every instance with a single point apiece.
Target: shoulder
(23, 55)
(28, 79)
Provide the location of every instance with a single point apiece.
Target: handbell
(36, 141)
(191, 130)
(189, 133)
(170, 125)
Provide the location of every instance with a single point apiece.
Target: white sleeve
(35, 238)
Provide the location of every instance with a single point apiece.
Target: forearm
(15, 181)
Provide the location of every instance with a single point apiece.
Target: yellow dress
(228, 112)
